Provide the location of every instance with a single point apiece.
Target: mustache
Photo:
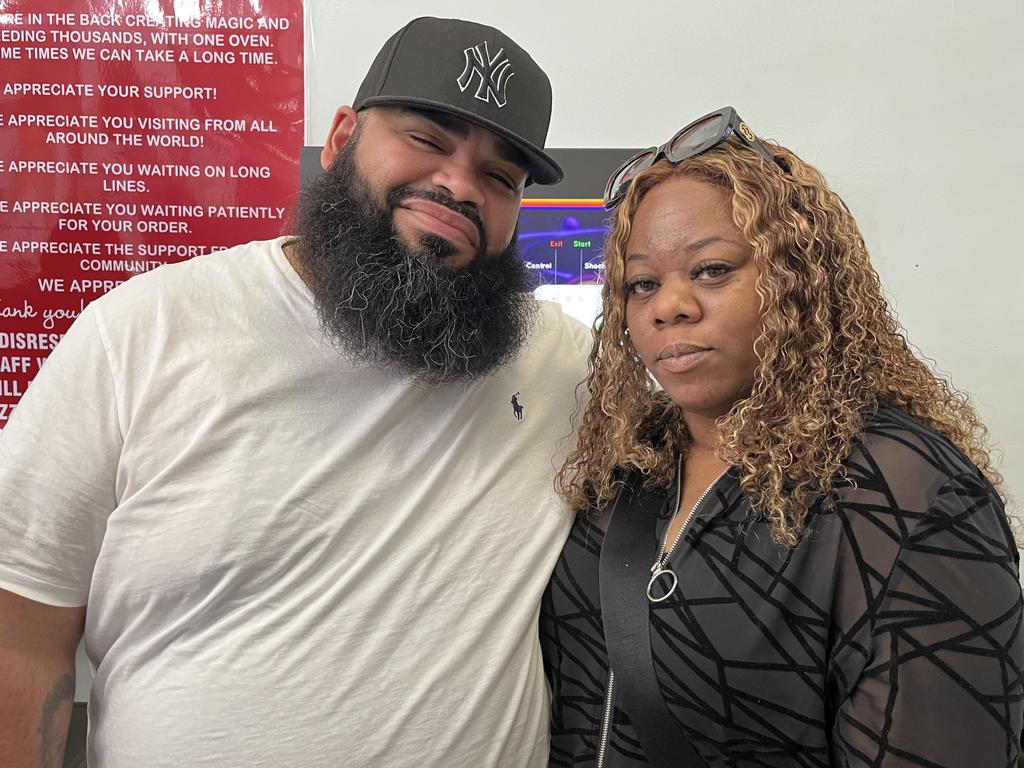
(466, 210)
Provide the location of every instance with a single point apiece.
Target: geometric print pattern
(890, 636)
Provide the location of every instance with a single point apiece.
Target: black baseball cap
(472, 71)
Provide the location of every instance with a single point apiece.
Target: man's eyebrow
(456, 126)
(442, 120)
(509, 152)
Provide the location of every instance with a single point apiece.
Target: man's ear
(342, 127)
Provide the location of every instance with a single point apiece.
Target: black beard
(401, 309)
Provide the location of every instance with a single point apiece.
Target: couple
(280, 491)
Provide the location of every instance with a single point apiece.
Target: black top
(890, 636)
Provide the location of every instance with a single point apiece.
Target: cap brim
(540, 166)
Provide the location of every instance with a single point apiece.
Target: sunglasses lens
(696, 137)
(617, 183)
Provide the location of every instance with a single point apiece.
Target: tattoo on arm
(52, 736)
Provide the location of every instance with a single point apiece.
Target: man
(281, 487)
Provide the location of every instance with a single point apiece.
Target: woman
(801, 514)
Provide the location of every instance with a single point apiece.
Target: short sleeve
(58, 463)
(943, 682)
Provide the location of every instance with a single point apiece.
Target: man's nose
(462, 181)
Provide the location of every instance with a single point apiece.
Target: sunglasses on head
(697, 137)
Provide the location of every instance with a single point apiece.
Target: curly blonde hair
(830, 352)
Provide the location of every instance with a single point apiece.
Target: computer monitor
(562, 230)
(561, 242)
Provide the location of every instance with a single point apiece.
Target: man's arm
(37, 680)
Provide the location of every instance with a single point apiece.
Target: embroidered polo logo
(491, 73)
(517, 407)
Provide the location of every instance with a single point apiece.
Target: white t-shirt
(288, 560)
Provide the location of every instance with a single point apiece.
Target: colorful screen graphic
(561, 240)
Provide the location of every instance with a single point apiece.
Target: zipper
(660, 567)
(606, 720)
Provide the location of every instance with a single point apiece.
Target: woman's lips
(442, 221)
(679, 358)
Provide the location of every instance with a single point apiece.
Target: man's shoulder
(198, 280)
(555, 326)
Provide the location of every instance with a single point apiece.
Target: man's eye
(504, 180)
(423, 140)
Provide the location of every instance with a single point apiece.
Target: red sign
(133, 134)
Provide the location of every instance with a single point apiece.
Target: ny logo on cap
(492, 73)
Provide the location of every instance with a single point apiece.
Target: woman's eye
(640, 286)
(711, 271)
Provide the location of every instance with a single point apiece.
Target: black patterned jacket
(891, 636)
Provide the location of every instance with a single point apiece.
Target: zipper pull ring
(658, 570)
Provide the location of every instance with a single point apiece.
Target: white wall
(913, 109)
